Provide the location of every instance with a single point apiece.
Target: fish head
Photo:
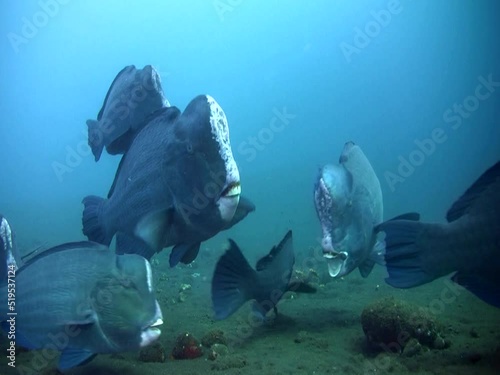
(9, 256)
(5, 235)
(125, 304)
(206, 184)
(332, 199)
(151, 81)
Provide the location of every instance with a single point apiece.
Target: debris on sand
(187, 347)
(390, 325)
(212, 337)
(152, 353)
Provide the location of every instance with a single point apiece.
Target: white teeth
(235, 190)
(335, 262)
(334, 267)
(158, 322)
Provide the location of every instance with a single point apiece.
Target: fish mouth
(158, 322)
(232, 190)
(335, 261)
(228, 201)
(152, 332)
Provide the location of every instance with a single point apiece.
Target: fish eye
(189, 148)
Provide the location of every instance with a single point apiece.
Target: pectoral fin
(366, 267)
(127, 244)
(184, 253)
(74, 357)
(152, 229)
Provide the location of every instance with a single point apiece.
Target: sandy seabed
(313, 334)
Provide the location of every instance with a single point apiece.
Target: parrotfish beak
(335, 261)
(228, 201)
(151, 332)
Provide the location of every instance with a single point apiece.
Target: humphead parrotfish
(348, 201)
(132, 97)
(81, 299)
(468, 244)
(177, 185)
(234, 281)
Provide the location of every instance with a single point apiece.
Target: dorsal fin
(66, 246)
(460, 207)
(127, 68)
(267, 259)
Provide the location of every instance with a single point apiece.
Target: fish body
(234, 281)
(178, 184)
(82, 299)
(468, 244)
(133, 95)
(348, 201)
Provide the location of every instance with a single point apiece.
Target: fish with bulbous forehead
(348, 201)
(133, 95)
(82, 299)
(177, 185)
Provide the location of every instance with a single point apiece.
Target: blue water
(384, 74)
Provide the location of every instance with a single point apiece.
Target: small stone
(184, 287)
(412, 348)
(187, 347)
(215, 336)
(439, 343)
(390, 321)
(217, 350)
(182, 297)
(152, 353)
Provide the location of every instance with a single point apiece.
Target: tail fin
(9, 259)
(93, 227)
(405, 265)
(233, 282)
(95, 138)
